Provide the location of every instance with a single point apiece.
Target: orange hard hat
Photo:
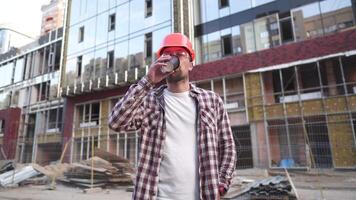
(177, 40)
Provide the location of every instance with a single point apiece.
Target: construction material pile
(103, 170)
(277, 187)
(273, 186)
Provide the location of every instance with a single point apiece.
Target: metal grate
(242, 137)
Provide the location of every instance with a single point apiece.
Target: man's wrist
(149, 79)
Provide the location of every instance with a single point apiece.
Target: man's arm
(127, 113)
(227, 151)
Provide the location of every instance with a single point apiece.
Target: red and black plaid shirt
(143, 108)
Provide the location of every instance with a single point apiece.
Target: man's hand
(222, 191)
(155, 74)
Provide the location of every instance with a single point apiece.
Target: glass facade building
(285, 70)
(257, 25)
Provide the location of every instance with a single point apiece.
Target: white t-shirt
(178, 172)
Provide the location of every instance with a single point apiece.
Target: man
(187, 148)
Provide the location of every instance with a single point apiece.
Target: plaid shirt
(143, 108)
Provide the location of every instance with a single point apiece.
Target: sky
(22, 15)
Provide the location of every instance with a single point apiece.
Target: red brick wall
(11, 117)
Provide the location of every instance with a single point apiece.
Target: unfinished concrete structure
(284, 69)
(31, 110)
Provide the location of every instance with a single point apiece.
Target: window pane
(337, 15)
(212, 10)
(307, 22)
(214, 46)
(137, 11)
(236, 40)
(6, 69)
(100, 62)
(266, 32)
(121, 56)
(240, 5)
(89, 33)
(161, 11)
(101, 28)
(248, 38)
(70, 71)
(75, 11)
(19, 70)
(88, 67)
(136, 52)
(103, 5)
(205, 52)
(122, 19)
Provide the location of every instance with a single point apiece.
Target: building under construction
(285, 70)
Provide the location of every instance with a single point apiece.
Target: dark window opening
(348, 65)
(148, 8)
(110, 58)
(43, 91)
(286, 26)
(57, 55)
(226, 45)
(2, 127)
(289, 84)
(289, 81)
(79, 65)
(148, 48)
(95, 112)
(286, 31)
(309, 77)
(223, 3)
(112, 19)
(81, 34)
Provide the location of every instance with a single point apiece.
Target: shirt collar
(194, 91)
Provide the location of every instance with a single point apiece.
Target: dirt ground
(61, 193)
(312, 185)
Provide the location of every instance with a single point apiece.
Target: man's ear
(191, 66)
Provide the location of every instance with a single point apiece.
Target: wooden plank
(109, 156)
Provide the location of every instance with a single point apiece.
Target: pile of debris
(277, 187)
(97, 172)
(103, 170)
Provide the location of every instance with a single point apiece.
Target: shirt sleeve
(227, 151)
(127, 113)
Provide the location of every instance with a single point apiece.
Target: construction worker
(187, 149)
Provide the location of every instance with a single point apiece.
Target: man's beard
(176, 77)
